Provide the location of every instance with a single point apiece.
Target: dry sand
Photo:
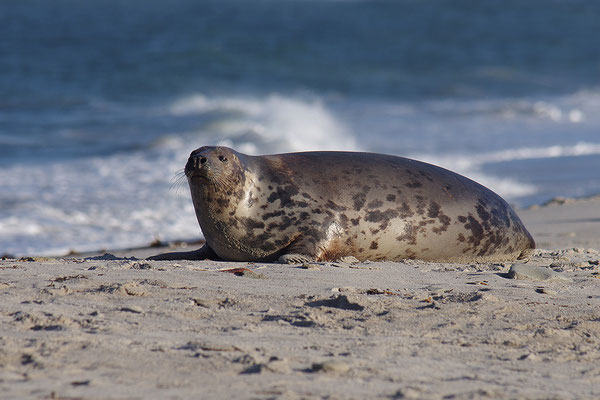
(124, 329)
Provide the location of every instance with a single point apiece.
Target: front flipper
(299, 251)
(295, 258)
(203, 253)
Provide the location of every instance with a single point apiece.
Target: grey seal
(324, 206)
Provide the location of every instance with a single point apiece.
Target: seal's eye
(222, 158)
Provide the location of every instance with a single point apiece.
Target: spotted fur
(327, 205)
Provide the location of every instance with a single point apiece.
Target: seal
(324, 206)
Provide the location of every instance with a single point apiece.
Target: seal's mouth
(197, 175)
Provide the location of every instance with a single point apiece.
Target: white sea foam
(470, 165)
(572, 108)
(470, 162)
(269, 125)
(110, 202)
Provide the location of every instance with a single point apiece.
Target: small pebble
(337, 367)
(132, 309)
(349, 289)
(545, 291)
(316, 267)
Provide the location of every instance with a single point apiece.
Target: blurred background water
(101, 101)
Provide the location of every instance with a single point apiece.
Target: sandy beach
(120, 327)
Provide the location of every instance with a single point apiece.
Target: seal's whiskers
(179, 181)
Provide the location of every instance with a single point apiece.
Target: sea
(101, 101)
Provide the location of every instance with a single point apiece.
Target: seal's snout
(199, 161)
(195, 162)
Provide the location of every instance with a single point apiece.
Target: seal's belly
(445, 225)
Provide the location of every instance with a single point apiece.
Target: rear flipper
(203, 253)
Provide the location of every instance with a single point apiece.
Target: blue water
(101, 101)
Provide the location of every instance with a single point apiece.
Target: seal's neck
(222, 211)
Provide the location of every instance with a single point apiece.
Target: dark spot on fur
(253, 224)
(405, 211)
(272, 197)
(409, 236)
(344, 220)
(382, 217)
(420, 204)
(374, 216)
(434, 210)
(304, 215)
(359, 201)
(355, 221)
(374, 245)
(391, 197)
(374, 204)
(250, 225)
(335, 207)
(284, 194)
(425, 175)
(445, 223)
(286, 222)
(500, 217)
(306, 196)
(302, 204)
(482, 213)
(411, 255)
(223, 202)
(462, 219)
(477, 233)
(273, 214)
(414, 184)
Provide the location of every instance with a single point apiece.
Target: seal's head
(218, 168)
